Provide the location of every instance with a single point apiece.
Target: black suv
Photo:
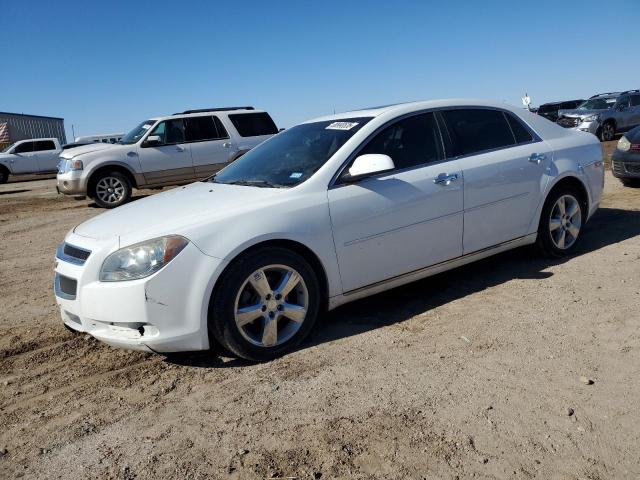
(550, 110)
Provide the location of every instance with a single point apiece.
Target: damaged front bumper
(165, 312)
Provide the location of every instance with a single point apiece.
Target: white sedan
(326, 212)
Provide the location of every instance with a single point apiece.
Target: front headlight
(69, 165)
(592, 118)
(624, 144)
(142, 259)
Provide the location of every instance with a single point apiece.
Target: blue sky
(105, 66)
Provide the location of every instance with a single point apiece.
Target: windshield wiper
(255, 183)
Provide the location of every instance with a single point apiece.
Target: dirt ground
(472, 373)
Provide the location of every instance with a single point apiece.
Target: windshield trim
(151, 122)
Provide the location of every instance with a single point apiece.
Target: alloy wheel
(110, 190)
(271, 305)
(608, 132)
(565, 222)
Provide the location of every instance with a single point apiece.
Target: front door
(211, 147)
(169, 161)
(24, 159)
(504, 164)
(398, 222)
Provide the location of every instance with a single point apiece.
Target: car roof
(408, 107)
(206, 113)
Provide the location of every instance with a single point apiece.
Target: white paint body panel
(368, 236)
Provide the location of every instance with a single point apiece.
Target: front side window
(474, 130)
(137, 133)
(292, 156)
(42, 145)
(198, 129)
(25, 147)
(412, 141)
(253, 124)
(169, 131)
(623, 102)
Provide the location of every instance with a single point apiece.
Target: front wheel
(111, 190)
(4, 176)
(561, 222)
(267, 303)
(607, 132)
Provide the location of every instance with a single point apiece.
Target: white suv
(170, 150)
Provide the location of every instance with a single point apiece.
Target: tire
(240, 313)
(560, 232)
(630, 182)
(4, 175)
(111, 189)
(608, 131)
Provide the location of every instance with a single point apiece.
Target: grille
(618, 168)
(71, 254)
(632, 167)
(568, 122)
(65, 287)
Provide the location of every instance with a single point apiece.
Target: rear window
(253, 124)
(475, 129)
(549, 107)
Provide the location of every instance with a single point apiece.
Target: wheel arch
(111, 167)
(5, 168)
(304, 251)
(575, 182)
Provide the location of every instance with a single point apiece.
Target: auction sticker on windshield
(341, 126)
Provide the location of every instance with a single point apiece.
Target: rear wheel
(267, 302)
(4, 175)
(608, 131)
(561, 222)
(111, 189)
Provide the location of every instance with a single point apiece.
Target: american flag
(4, 133)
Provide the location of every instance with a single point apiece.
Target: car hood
(174, 211)
(93, 147)
(579, 113)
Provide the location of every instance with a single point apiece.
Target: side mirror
(369, 164)
(153, 141)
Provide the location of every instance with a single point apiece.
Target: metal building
(17, 126)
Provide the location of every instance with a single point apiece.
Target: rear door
(397, 222)
(211, 147)
(48, 155)
(170, 161)
(635, 109)
(24, 160)
(503, 163)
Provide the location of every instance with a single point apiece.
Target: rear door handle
(537, 158)
(445, 179)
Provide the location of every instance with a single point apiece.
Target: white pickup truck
(36, 155)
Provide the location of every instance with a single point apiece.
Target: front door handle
(537, 158)
(445, 179)
(179, 148)
(226, 144)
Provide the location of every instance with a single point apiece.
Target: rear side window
(474, 130)
(253, 124)
(412, 141)
(519, 130)
(202, 128)
(25, 147)
(44, 145)
(635, 100)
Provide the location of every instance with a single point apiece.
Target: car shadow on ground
(607, 227)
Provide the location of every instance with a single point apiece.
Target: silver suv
(171, 150)
(604, 114)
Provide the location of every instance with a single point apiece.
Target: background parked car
(550, 110)
(626, 158)
(37, 155)
(171, 150)
(605, 114)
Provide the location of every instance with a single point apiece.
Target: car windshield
(598, 104)
(292, 156)
(136, 134)
(6, 149)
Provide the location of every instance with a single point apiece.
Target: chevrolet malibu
(324, 213)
